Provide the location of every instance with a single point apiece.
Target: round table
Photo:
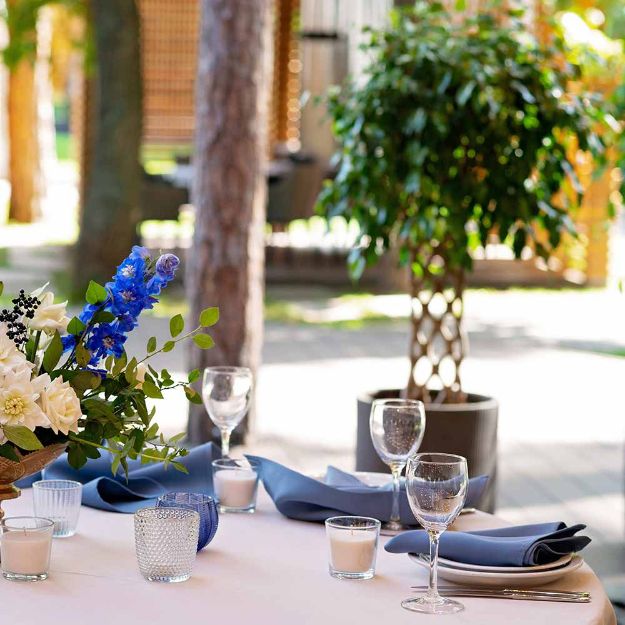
(260, 569)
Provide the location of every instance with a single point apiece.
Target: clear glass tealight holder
(25, 545)
(353, 546)
(166, 543)
(236, 484)
(59, 501)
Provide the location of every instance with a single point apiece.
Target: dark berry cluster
(23, 306)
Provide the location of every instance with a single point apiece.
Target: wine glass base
(426, 605)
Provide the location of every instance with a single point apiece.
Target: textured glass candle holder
(166, 543)
(204, 505)
(25, 544)
(236, 484)
(353, 546)
(59, 501)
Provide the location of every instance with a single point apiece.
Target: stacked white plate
(501, 576)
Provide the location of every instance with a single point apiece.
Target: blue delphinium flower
(106, 340)
(69, 342)
(165, 271)
(132, 290)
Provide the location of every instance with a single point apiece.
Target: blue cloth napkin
(521, 545)
(145, 483)
(301, 497)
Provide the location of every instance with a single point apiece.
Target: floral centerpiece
(68, 384)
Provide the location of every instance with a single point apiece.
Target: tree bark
(225, 266)
(23, 142)
(110, 210)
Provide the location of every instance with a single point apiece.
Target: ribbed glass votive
(204, 505)
(166, 543)
(59, 501)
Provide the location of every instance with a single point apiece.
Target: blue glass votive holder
(204, 505)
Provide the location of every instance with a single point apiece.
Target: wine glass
(397, 427)
(436, 485)
(227, 392)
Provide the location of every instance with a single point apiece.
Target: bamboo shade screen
(285, 90)
(169, 36)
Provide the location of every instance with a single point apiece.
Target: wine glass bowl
(227, 392)
(397, 427)
(436, 485)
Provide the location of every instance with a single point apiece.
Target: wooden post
(24, 168)
(225, 266)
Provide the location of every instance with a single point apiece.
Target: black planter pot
(468, 429)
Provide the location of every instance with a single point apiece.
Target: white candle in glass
(24, 552)
(353, 545)
(352, 551)
(235, 488)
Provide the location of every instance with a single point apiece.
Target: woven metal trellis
(437, 344)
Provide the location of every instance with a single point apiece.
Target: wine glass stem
(433, 586)
(396, 471)
(225, 441)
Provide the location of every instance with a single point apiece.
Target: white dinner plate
(560, 562)
(500, 579)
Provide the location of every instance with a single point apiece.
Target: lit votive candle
(25, 544)
(353, 544)
(236, 484)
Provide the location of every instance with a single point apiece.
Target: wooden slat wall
(169, 33)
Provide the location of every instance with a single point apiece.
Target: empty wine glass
(436, 485)
(397, 427)
(227, 392)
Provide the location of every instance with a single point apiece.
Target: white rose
(49, 316)
(11, 358)
(18, 399)
(62, 407)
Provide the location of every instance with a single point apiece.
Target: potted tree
(458, 130)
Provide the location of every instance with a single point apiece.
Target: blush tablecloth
(260, 569)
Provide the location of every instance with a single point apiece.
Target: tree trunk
(226, 263)
(437, 342)
(23, 142)
(110, 210)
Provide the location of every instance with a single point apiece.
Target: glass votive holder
(353, 544)
(204, 505)
(166, 543)
(236, 484)
(25, 544)
(59, 501)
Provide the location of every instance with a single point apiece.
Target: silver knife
(512, 593)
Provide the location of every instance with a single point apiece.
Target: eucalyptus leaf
(203, 341)
(176, 325)
(209, 317)
(151, 390)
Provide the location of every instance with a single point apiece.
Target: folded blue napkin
(301, 497)
(521, 545)
(145, 482)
